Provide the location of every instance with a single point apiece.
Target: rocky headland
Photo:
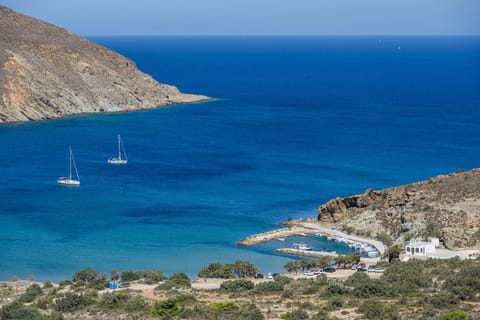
(446, 206)
(47, 72)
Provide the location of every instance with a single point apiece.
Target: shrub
(167, 308)
(373, 288)
(296, 314)
(72, 302)
(335, 289)
(336, 302)
(465, 283)
(223, 306)
(32, 292)
(151, 276)
(442, 300)
(130, 276)
(455, 315)
(217, 270)
(272, 286)
(137, 305)
(372, 309)
(250, 312)
(407, 278)
(113, 300)
(17, 310)
(177, 280)
(237, 285)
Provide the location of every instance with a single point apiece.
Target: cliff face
(446, 206)
(47, 72)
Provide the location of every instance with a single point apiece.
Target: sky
(257, 17)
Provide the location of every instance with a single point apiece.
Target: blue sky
(257, 17)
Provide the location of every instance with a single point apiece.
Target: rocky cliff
(444, 206)
(47, 72)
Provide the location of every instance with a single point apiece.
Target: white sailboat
(121, 150)
(70, 181)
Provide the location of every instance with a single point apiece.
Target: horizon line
(282, 35)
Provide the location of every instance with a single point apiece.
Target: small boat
(121, 150)
(281, 239)
(70, 181)
(301, 246)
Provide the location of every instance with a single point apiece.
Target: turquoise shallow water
(299, 121)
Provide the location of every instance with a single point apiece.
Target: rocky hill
(444, 206)
(47, 72)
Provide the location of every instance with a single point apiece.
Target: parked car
(269, 275)
(258, 276)
(308, 273)
(275, 274)
(124, 285)
(316, 271)
(379, 270)
(372, 268)
(355, 267)
(329, 269)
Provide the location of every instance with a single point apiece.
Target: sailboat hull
(68, 182)
(117, 161)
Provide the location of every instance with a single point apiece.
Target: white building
(420, 248)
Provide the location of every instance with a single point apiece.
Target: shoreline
(308, 227)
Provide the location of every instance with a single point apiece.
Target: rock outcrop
(444, 206)
(47, 72)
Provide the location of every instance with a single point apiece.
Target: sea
(295, 121)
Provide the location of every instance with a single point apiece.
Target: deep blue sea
(297, 121)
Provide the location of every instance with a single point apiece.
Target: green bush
(223, 306)
(373, 288)
(335, 289)
(455, 315)
(250, 312)
(32, 292)
(372, 309)
(465, 283)
(169, 308)
(130, 276)
(272, 286)
(407, 278)
(237, 285)
(336, 302)
(72, 302)
(151, 276)
(177, 280)
(113, 300)
(137, 305)
(296, 314)
(18, 311)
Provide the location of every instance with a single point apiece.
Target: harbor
(369, 248)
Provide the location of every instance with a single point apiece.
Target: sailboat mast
(119, 153)
(70, 162)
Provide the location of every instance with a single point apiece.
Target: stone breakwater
(274, 234)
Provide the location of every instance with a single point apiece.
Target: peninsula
(47, 72)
